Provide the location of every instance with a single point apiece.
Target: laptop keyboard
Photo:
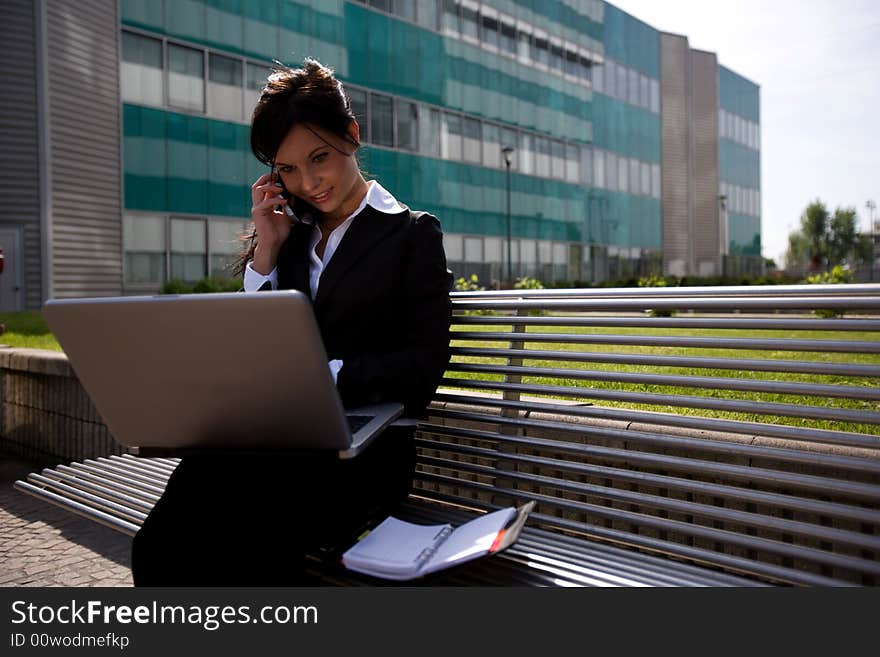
(356, 422)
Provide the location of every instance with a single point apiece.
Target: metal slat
(148, 494)
(754, 344)
(115, 476)
(783, 454)
(655, 502)
(767, 304)
(787, 324)
(679, 464)
(744, 364)
(86, 497)
(78, 508)
(724, 536)
(617, 537)
(727, 291)
(798, 434)
(687, 401)
(704, 382)
(713, 489)
(110, 493)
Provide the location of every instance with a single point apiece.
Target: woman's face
(316, 172)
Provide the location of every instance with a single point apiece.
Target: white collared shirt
(377, 197)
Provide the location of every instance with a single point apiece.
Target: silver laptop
(208, 372)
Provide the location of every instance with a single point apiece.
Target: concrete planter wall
(45, 415)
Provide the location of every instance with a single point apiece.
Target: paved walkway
(43, 545)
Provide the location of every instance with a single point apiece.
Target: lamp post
(871, 205)
(508, 151)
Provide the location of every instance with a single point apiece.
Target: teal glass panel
(144, 158)
(142, 13)
(260, 19)
(224, 23)
(744, 234)
(738, 164)
(187, 163)
(738, 95)
(185, 18)
(631, 42)
(469, 199)
(390, 55)
(227, 183)
(560, 13)
(625, 129)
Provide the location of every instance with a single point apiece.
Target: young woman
(376, 273)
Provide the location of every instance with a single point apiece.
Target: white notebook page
(471, 539)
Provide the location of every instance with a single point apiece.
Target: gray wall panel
(85, 133)
(704, 121)
(675, 156)
(19, 139)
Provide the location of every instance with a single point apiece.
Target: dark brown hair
(310, 95)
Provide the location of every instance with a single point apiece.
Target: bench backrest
(738, 430)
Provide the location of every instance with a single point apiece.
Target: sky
(818, 65)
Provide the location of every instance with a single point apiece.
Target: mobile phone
(288, 210)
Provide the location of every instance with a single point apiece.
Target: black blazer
(383, 305)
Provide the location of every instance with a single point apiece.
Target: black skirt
(249, 520)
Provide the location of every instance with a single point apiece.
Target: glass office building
(574, 91)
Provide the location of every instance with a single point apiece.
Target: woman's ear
(354, 131)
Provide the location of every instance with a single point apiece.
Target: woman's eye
(285, 169)
(319, 157)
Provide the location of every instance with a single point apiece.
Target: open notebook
(402, 550)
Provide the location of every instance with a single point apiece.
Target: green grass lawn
(27, 330)
(861, 358)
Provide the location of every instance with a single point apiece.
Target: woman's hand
(272, 226)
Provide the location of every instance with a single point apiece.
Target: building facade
(129, 161)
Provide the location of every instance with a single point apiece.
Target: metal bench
(767, 473)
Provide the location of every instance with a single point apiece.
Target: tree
(796, 256)
(814, 224)
(842, 237)
(826, 241)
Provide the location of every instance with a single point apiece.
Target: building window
(572, 163)
(646, 178)
(407, 125)
(140, 74)
(634, 177)
(358, 102)
(254, 81)
(542, 157)
(144, 240)
(489, 31)
(450, 18)
(599, 179)
(492, 146)
(556, 57)
(429, 132)
(621, 83)
(470, 27)
(524, 46)
(225, 95)
(188, 249)
(186, 78)
(525, 154)
(473, 249)
(542, 51)
(644, 92)
(471, 140)
(381, 120)
(655, 96)
(426, 13)
(633, 95)
(450, 136)
(586, 165)
(508, 38)
(611, 176)
(622, 174)
(557, 162)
